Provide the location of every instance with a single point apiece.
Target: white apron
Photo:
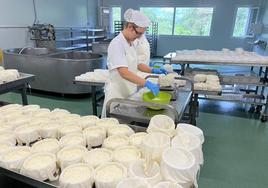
(118, 87)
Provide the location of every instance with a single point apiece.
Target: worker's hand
(153, 87)
(159, 71)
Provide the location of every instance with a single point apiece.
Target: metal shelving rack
(78, 38)
(151, 34)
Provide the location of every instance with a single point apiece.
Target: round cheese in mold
(134, 183)
(30, 109)
(97, 156)
(70, 155)
(10, 106)
(77, 176)
(126, 155)
(73, 139)
(8, 137)
(5, 127)
(109, 174)
(60, 110)
(20, 121)
(136, 139)
(39, 121)
(41, 166)
(94, 135)
(163, 124)
(50, 130)
(88, 121)
(14, 158)
(4, 147)
(50, 145)
(107, 122)
(116, 141)
(42, 113)
(121, 129)
(68, 129)
(26, 134)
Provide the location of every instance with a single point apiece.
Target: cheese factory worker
(122, 60)
(143, 50)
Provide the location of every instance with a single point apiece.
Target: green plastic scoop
(162, 98)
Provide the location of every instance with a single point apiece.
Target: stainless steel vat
(54, 70)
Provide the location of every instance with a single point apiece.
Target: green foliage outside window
(163, 16)
(193, 21)
(241, 22)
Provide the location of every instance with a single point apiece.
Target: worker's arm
(144, 68)
(130, 76)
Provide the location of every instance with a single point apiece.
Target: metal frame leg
(24, 95)
(94, 100)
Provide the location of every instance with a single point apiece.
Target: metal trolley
(135, 111)
(255, 84)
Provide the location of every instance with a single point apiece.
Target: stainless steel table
(28, 180)
(20, 84)
(93, 86)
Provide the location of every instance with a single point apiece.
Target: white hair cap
(136, 17)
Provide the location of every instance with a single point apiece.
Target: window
(115, 16)
(245, 17)
(193, 21)
(163, 16)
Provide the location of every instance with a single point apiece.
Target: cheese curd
(5, 127)
(89, 121)
(30, 109)
(77, 175)
(8, 137)
(27, 134)
(109, 174)
(40, 166)
(70, 155)
(50, 145)
(42, 113)
(73, 139)
(121, 129)
(97, 156)
(68, 129)
(4, 147)
(94, 135)
(14, 158)
(167, 80)
(200, 78)
(115, 141)
(107, 122)
(126, 155)
(136, 139)
(50, 130)
(10, 106)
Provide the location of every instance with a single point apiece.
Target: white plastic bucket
(179, 166)
(184, 127)
(190, 143)
(152, 176)
(154, 144)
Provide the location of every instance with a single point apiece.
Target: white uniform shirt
(117, 52)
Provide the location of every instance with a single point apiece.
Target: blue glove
(159, 71)
(153, 87)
